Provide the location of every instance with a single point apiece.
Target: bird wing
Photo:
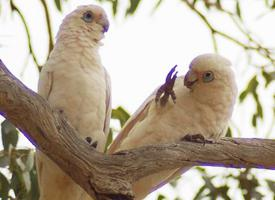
(108, 103)
(138, 116)
(45, 84)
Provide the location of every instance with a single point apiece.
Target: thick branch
(110, 176)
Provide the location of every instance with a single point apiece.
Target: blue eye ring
(208, 76)
(88, 16)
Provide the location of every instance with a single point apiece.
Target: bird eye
(88, 16)
(208, 76)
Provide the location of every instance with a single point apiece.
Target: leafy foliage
(21, 179)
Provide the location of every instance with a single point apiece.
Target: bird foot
(197, 138)
(166, 90)
(90, 141)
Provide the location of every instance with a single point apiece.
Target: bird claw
(197, 138)
(166, 90)
(93, 144)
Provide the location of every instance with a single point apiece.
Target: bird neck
(219, 102)
(71, 50)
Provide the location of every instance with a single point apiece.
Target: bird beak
(105, 27)
(190, 78)
(105, 24)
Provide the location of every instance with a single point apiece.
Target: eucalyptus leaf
(133, 7)
(29, 163)
(271, 185)
(18, 186)
(161, 197)
(109, 139)
(199, 195)
(114, 7)
(121, 114)
(34, 193)
(4, 187)
(27, 180)
(58, 4)
(238, 9)
(9, 135)
(4, 159)
(268, 76)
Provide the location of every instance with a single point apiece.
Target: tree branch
(49, 26)
(110, 176)
(31, 51)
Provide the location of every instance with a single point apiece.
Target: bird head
(87, 23)
(210, 76)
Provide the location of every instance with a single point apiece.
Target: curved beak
(105, 23)
(190, 78)
(105, 27)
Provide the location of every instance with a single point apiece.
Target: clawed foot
(90, 141)
(167, 88)
(197, 138)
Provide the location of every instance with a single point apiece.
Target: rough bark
(110, 176)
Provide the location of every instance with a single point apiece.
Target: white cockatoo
(75, 83)
(204, 102)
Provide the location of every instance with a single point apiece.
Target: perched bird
(203, 104)
(76, 84)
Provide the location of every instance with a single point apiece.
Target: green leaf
(133, 7)
(271, 185)
(253, 84)
(259, 109)
(157, 5)
(114, 6)
(29, 161)
(208, 182)
(27, 181)
(174, 182)
(251, 88)
(269, 77)
(21, 161)
(222, 191)
(18, 186)
(257, 195)
(161, 197)
(121, 114)
(228, 132)
(238, 9)
(199, 196)
(201, 169)
(254, 120)
(9, 135)
(109, 139)
(58, 5)
(218, 3)
(4, 187)
(248, 183)
(207, 4)
(243, 95)
(4, 159)
(194, 2)
(34, 193)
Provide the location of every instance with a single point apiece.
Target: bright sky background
(140, 50)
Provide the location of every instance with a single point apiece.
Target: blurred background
(145, 39)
